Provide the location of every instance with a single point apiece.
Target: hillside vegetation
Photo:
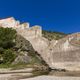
(16, 51)
(53, 35)
(7, 41)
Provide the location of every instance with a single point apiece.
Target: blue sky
(54, 15)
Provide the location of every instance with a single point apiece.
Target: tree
(7, 36)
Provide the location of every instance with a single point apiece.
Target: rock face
(22, 58)
(12, 23)
(60, 54)
(66, 53)
(24, 51)
(26, 54)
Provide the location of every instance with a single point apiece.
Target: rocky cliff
(58, 54)
(66, 52)
(26, 54)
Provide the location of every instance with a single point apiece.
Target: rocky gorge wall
(59, 54)
(66, 53)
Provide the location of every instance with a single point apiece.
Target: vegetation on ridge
(53, 35)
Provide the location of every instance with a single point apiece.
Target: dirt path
(52, 78)
(8, 74)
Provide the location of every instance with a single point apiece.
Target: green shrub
(7, 36)
(8, 56)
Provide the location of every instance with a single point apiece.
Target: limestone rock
(22, 58)
(66, 53)
(63, 53)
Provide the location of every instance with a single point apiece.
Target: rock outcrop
(66, 53)
(59, 54)
(27, 54)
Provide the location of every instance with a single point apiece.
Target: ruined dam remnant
(59, 54)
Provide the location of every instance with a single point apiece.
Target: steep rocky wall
(30, 33)
(9, 22)
(66, 53)
(39, 43)
(63, 53)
